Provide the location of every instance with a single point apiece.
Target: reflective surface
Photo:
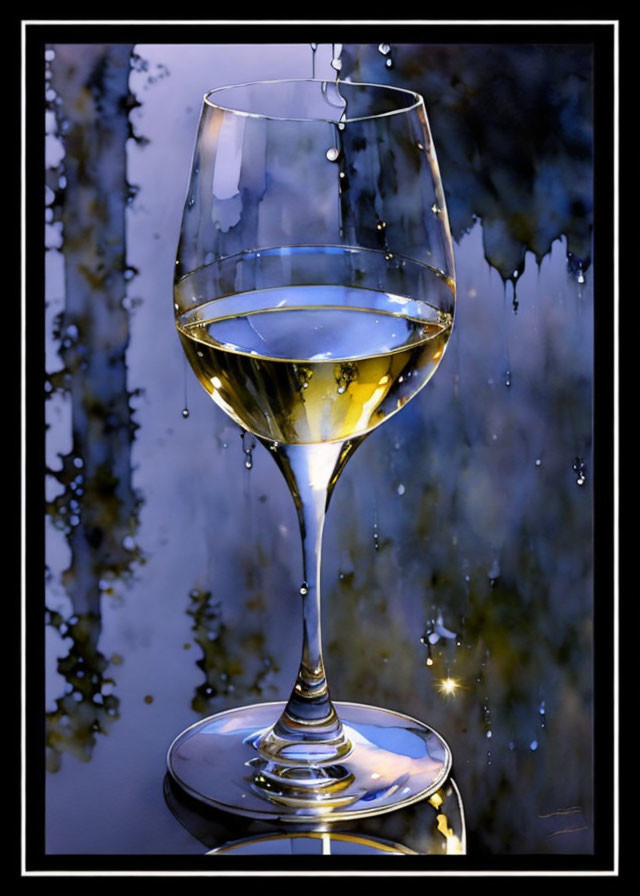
(313, 845)
(433, 826)
(467, 572)
(393, 761)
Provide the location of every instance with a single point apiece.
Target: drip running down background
(457, 564)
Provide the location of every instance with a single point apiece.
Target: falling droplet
(533, 745)
(400, 489)
(333, 154)
(579, 467)
(380, 225)
(575, 268)
(389, 63)
(248, 450)
(538, 462)
(185, 410)
(385, 49)
(507, 378)
(304, 588)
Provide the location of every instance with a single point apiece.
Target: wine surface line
(313, 363)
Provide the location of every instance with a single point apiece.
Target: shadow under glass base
(395, 760)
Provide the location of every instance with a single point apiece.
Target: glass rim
(416, 97)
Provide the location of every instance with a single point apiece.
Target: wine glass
(314, 297)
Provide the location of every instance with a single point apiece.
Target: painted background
(460, 532)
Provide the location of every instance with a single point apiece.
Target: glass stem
(309, 728)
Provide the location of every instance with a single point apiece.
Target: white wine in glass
(314, 297)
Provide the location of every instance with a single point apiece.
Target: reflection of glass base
(312, 844)
(395, 761)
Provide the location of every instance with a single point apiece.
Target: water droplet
(185, 412)
(385, 49)
(247, 450)
(538, 462)
(488, 734)
(575, 267)
(507, 378)
(333, 154)
(389, 63)
(436, 209)
(579, 467)
(388, 256)
(400, 489)
(533, 745)
(380, 225)
(304, 588)
(345, 374)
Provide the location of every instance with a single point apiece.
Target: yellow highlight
(454, 846)
(448, 686)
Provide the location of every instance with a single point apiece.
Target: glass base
(394, 761)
